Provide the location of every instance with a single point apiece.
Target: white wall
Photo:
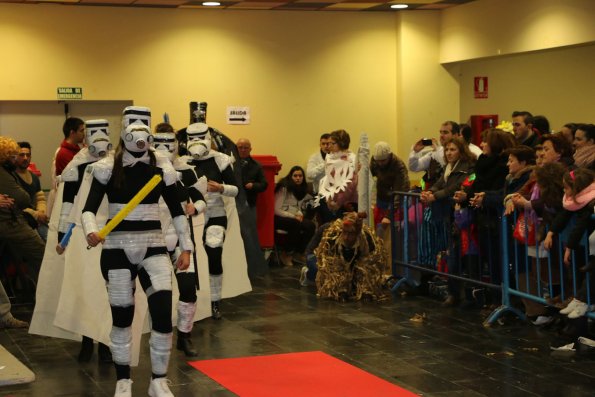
(491, 28)
(301, 73)
(556, 83)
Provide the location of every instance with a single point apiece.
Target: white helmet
(136, 114)
(166, 143)
(199, 140)
(137, 137)
(97, 136)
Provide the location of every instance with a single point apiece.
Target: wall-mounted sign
(238, 115)
(70, 93)
(480, 87)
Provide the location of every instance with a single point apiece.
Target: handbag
(524, 229)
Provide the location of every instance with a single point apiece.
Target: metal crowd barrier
(567, 278)
(415, 244)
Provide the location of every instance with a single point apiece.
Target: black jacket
(252, 172)
(446, 188)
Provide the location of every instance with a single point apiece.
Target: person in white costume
(216, 167)
(49, 288)
(83, 306)
(136, 248)
(189, 187)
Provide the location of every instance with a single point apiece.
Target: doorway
(40, 124)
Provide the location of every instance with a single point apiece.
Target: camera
(426, 142)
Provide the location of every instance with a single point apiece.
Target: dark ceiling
(299, 5)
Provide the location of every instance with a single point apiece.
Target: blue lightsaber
(64, 242)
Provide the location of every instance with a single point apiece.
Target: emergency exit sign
(70, 93)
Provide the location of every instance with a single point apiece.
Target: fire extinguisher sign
(480, 87)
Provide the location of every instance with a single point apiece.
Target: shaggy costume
(351, 272)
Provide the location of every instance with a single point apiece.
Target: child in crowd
(545, 201)
(579, 199)
(465, 231)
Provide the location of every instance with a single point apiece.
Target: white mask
(166, 143)
(137, 138)
(199, 140)
(97, 135)
(136, 114)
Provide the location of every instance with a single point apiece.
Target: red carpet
(296, 374)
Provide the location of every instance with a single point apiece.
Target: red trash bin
(265, 201)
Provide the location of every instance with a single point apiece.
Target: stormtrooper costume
(97, 135)
(99, 145)
(55, 266)
(189, 187)
(216, 167)
(136, 246)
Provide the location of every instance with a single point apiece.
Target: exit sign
(70, 93)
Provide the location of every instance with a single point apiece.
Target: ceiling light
(399, 6)
(211, 3)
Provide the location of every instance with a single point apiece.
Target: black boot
(104, 353)
(215, 312)
(184, 344)
(86, 350)
(589, 267)
(450, 301)
(469, 302)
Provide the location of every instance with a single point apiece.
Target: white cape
(235, 266)
(49, 283)
(71, 294)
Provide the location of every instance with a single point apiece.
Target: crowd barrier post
(505, 306)
(424, 244)
(508, 291)
(393, 240)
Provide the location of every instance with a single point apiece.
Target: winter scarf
(583, 198)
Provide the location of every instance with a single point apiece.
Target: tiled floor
(449, 354)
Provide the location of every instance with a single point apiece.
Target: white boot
(123, 388)
(579, 310)
(159, 387)
(571, 306)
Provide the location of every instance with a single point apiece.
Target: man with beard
(30, 182)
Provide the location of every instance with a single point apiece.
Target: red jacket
(65, 155)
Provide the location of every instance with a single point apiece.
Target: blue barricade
(430, 239)
(547, 279)
(481, 253)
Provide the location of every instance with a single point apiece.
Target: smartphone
(426, 142)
